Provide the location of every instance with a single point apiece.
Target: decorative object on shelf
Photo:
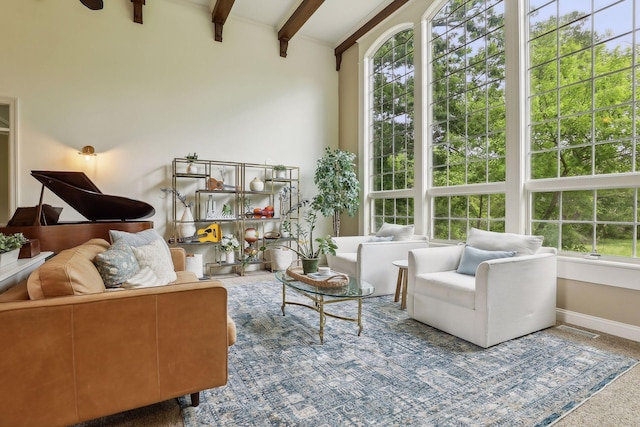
(186, 228)
(251, 235)
(229, 244)
(338, 186)
(214, 213)
(256, 184)
(280, 171)
(211, 233)
(10, 245)
(191, 168)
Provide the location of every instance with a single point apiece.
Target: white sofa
(507, 298)
(371, 261)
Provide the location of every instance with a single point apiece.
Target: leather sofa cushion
(71, 272)
(449, 286)
(346, 262)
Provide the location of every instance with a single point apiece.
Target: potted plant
(10, 245)
(308, 248)
(338, 186)
(229, 244)
(191, 168)
(280, 171)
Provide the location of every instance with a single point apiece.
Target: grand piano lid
(79, 192)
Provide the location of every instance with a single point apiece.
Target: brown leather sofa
(89, 354)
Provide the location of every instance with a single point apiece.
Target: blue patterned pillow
(116, 264)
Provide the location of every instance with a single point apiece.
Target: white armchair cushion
(345, 263)
(399, 232)
(492, 241)
(458, 289)
(472, 257)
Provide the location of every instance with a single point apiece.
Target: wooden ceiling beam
(137, 10)
(219, 16)
(352, 39)
(297, 19)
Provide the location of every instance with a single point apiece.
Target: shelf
(190, 175)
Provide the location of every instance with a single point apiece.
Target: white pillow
(492, 241)
(144, 278)
(399, 232)
(155, 257)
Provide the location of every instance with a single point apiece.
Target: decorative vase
(191, 168)
(251, 235)
(10, 257)
(231, 257)
(310, 265)
(281, 174)
(256, 184)
(187, 228)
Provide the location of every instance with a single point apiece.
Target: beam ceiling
(352, 39)
(219, 16)
(301, 15)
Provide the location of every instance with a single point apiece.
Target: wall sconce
(87, 151)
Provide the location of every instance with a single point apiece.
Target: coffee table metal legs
(318, 305)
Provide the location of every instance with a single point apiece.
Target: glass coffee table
(355, 290)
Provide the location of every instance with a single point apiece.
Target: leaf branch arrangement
(178, 195)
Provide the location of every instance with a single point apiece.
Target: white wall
(143, 94)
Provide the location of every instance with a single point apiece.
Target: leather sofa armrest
(179, 258)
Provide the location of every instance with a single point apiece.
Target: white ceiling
(332, 23)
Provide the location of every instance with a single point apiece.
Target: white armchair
(372, 261)
(507, 298)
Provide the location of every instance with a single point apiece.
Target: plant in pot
(308, 248)
(10, 245)
(338, 186)
(191, 168)
(229, 244)
(280, 171)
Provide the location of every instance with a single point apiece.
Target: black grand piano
(104, 212)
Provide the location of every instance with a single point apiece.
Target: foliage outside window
(583, 123)
(391, 148)
(468, 126)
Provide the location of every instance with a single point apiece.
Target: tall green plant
(338, 186)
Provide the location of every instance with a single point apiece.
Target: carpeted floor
(617, 404)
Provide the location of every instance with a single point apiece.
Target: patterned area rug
(399, 372)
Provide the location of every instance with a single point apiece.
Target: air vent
(578, 331)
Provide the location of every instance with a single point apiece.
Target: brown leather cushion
(71, 272)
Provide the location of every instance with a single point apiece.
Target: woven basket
(334, 281)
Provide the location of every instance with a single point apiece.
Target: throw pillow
(145, 278)
(116, 264)
(154, 256)
(140, 238)
(398, 232)
(472, 257)
(492, 241)
(380, 239)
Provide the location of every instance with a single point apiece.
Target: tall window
(468, 128)
(391, 147)
(583, 123)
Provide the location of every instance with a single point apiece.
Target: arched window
(391, 132)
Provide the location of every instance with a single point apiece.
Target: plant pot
(281, 174)
(280, 258)
(10, 257)
(310, 265)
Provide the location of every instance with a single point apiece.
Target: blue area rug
(399, 372)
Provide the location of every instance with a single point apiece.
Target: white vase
(281, 174)
(191, 168)
(187, 228)
(231, 257)
(10, 257)
(256, 184)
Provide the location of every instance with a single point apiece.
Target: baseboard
(611, 327)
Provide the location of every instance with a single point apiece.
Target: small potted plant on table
(229, 244)
(10, 245)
